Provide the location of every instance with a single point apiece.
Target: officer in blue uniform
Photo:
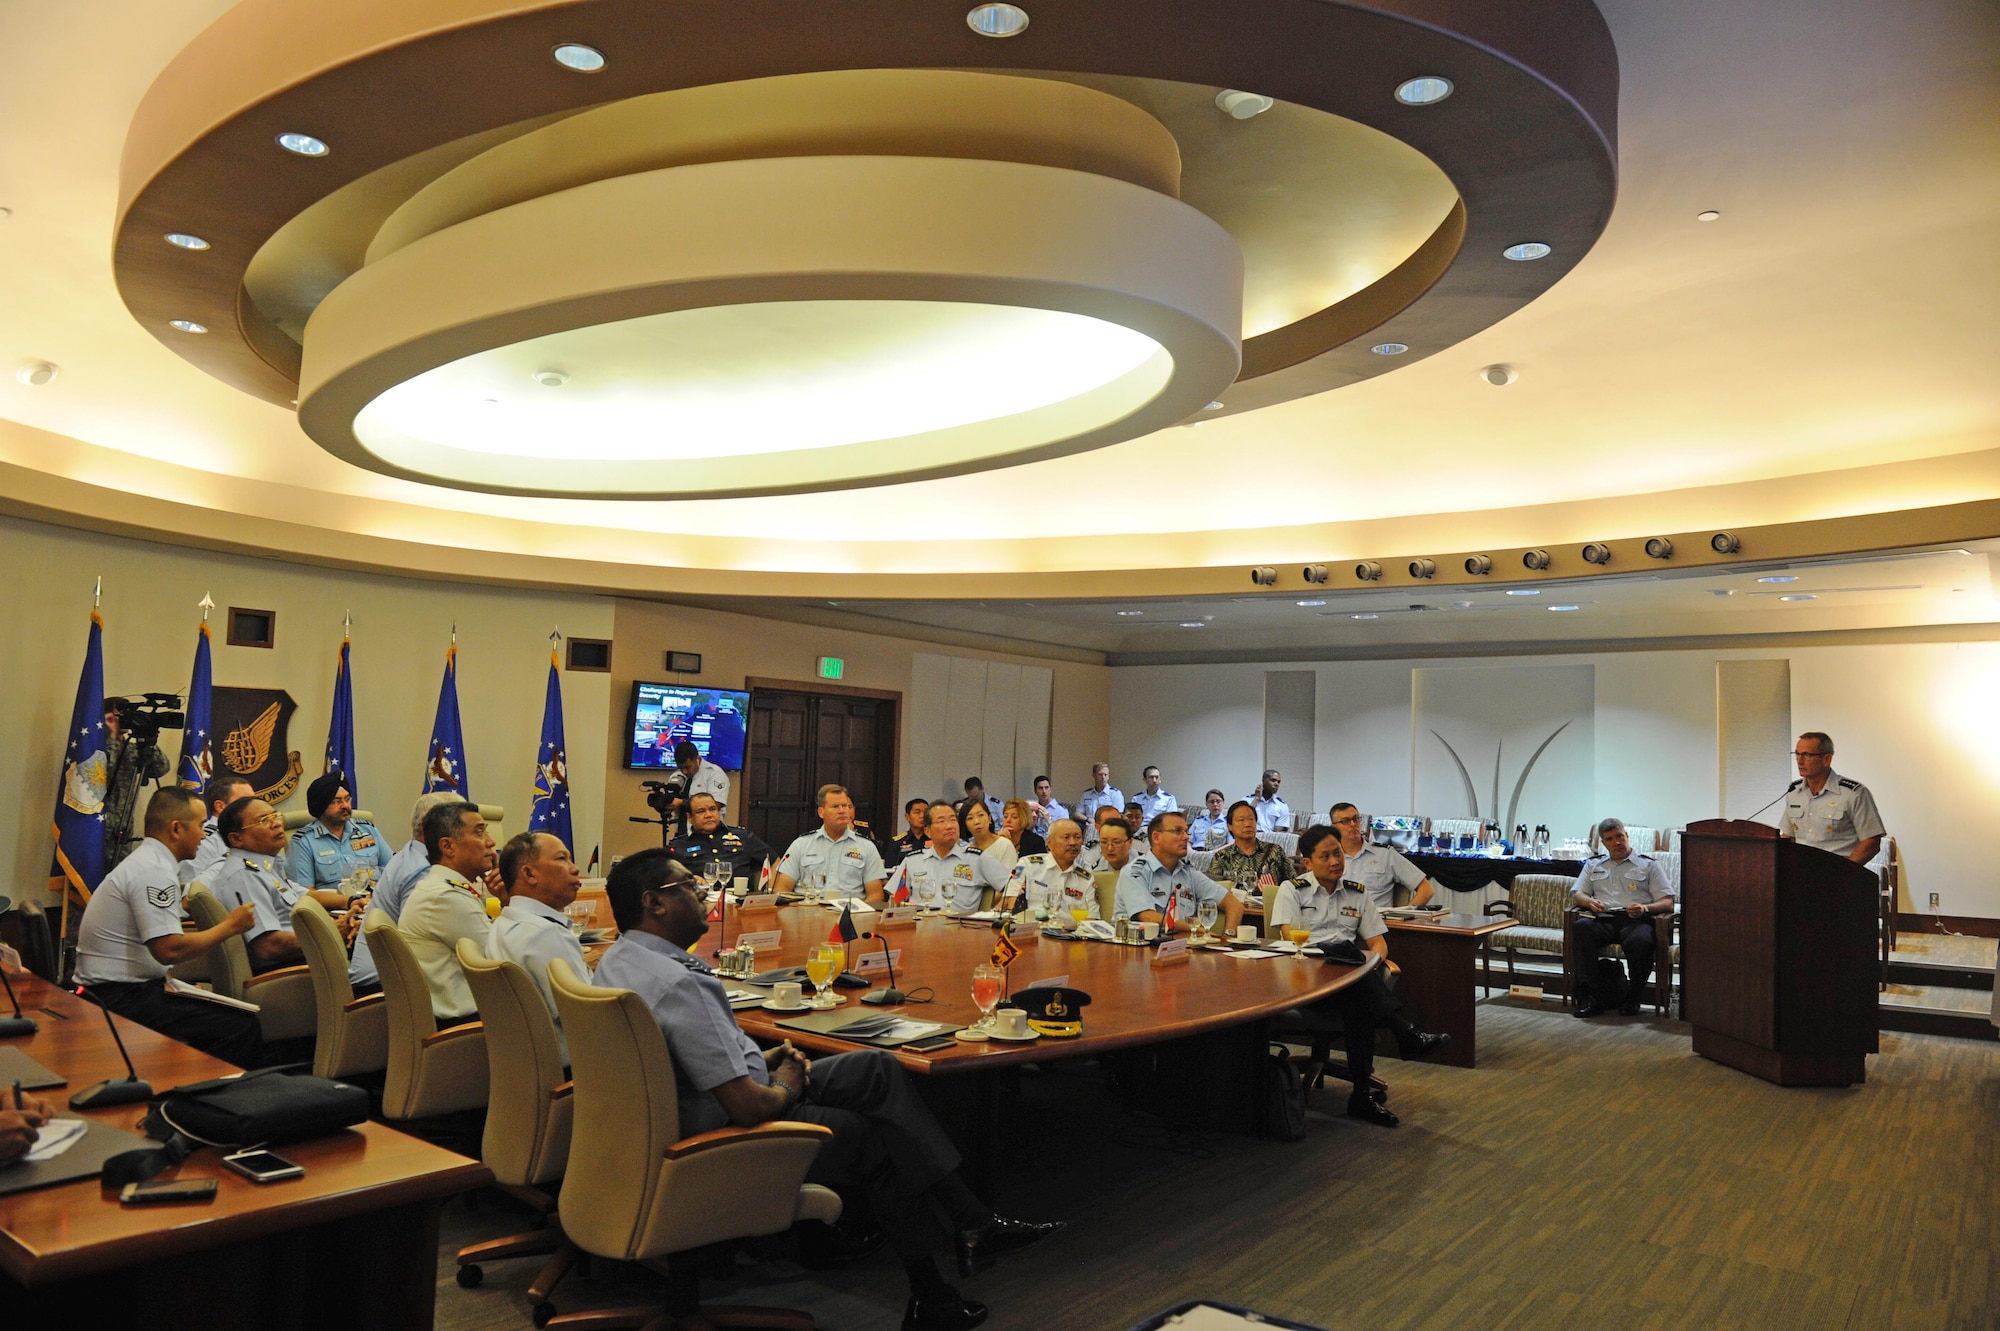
(833, 859)
(249, 876)
(330, 849)
(1149, 888)
(1619, 893)
(1828, 810)
(947, 874)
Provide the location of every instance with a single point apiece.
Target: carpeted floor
(1584, 1175)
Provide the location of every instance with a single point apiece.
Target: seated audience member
(1044, 809)
(1273, 814)
(1380, 869)
(449, 903)
(1338, 911)
(1619, 892)
(531, 931)
(131, 933)
(1053, 881)
(1014, 819)
(1135, 820)
(1246, 859)
(335, 845)
(833, 860)
(217, 795)
(1113, 851)
(709, 838)
(1102, 794)
(1209, 828)
(887, 1158)
(1165, 888)
(975, 789)
(948, 874)
(913, 837)
(1152, 799)
(976, 825)
(249, 875)
(20, 1126)
(413, 861)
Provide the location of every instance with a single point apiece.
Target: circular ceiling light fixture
(1312, 603)
(1526, 251)
(187, 325)
(1780, 577)
(575, 55)
(1130, 614)
(37, 373)
(1390, 348)
(1799, 596)
(305, 145)
(1524, 591)
(1243, 105)
(997, 20)
(1708, 215)
(1213, 406)
(547, 379)
(1424, 90)
(1564, 609)
(1499, 375)
(182, 240)
(1364, 616)
(1193, 624)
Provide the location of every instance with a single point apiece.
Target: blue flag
(197, 763)
(79, 820)
(340, 727)
(551, 810)
(444, 769)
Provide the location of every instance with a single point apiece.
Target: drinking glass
(718, 873)
(1298, 935)
(1077, 915)
(822, 964)
(986, 979)
(1204, 918)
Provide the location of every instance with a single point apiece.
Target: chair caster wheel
(544, 1313)
(469, 1277)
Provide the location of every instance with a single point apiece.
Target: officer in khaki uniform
(1827, 810)
(1619, 892)
(947, 873)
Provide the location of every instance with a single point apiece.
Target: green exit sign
(831, 667)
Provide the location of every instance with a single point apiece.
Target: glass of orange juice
(1298, 935)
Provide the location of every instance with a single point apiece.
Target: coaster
(971, 1036)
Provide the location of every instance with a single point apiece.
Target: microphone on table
(16, 1024)
(106, 1094)
(884, 997)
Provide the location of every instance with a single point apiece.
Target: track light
(1659, 548)
(1368, 570)
(1264, 576)
(1423, 568)
(1535, 559)
(1479, 565)
(1596, 553)
(1313, 573)
(1725, 543)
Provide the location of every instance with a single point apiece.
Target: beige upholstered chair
(1106, 881)
(527, 1112)
(429, 1071)
(353, 1032)
(284, 997)
(637, 1190)
(297, 818)
(1538, 901)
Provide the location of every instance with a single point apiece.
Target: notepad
(57, 1136)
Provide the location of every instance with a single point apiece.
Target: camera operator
(693, 775)
(132, 758)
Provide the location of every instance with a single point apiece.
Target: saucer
(1015, 1039)
(772, 1004)
(971, 1036)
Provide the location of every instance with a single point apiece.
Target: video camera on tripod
(667, 798)
(144, 717)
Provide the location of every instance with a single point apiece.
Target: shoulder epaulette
(1850, 783)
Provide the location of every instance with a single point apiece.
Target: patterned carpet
(1586, 1174)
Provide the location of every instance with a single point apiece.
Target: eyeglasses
(1799, 754)
(1351, 818)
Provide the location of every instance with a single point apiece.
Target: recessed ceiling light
(1424, 90)
(550, 378)
(1213, 406)
(1312, 602)
(1193, 624)
(583, 59)
(1799, 596)
(1710, 215)
(1390, 348)
(187, 325)
(997, 20)
(1499, 375)
(1243, 105)
(1524, 591)
(182, 240)
(1526, 250)
(1780, 577)
(36, 373)
(1364, 616)
(6, 213)
(1564, 609)
(1130, 614)
(305, 145)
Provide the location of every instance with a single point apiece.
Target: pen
(17, 1094)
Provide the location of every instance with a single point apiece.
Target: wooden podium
(1778, 945)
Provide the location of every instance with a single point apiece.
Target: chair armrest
(477, 1028)
(562, 1092)
(282, 973)
(356, 1004)
(776, 1130)
(1500, 908)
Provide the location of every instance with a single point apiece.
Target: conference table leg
(1436, 988)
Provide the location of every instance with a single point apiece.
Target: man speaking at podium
(1827, 810)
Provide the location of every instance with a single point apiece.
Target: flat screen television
(663, 715)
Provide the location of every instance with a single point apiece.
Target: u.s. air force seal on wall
(248, 729)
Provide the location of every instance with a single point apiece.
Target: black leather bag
(1281, 1097)
(268, 1107)
(1610, 982)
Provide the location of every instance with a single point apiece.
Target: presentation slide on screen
(663, 715)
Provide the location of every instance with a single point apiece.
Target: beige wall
(401, 629)
(734, 647)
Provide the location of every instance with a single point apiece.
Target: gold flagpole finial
(346, 622)
(97, 596)
(207, 603)
(454, 633)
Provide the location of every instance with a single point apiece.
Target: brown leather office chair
(284, 997)
(636, 1190)
(527, 1116)
(429, 1071)
(353, 1032)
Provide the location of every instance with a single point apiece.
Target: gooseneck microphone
(16, 1024)
(884, 997)
(107, 1094)
(1781, 794)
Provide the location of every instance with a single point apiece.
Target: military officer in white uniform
(1380, 869)
(1153, 801)
(1338, 910)
(249, 875)
(835, 860)
(1828, 810)
(947, 874)
(1165, 883)
(449, 903)
(1273, 814)
(1619, 892)
(1054, 882)
(217, 795)
(131, 933)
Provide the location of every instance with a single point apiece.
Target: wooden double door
(803, 739)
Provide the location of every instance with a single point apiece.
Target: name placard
(875, 961)
(1047, 982)
(759, 901)
(895, 915)
(1171, 952)
(763, 942)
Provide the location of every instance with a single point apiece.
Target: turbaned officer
(335, 845)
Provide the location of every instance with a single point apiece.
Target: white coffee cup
(1010, 1021)
(742, 886)
(1151, 928)
(787, 994)
(1246, 933)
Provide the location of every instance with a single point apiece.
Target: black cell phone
(168, 1190)
(932, 1045)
